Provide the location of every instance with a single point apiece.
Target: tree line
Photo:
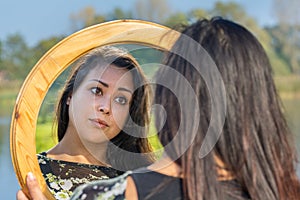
(281, 41)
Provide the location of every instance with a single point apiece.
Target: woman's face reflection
(99, 108)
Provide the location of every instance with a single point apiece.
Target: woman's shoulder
(113, 188)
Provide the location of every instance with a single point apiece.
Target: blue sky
(36, 19)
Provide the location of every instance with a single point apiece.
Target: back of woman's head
(254, 144)
(139, 108)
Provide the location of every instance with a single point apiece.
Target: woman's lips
(100, 123)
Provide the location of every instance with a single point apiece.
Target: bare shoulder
(131, 192)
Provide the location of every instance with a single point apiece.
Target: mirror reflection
(96, 112)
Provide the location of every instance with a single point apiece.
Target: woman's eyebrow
(125, 89)
(99, 81)
(106, 85)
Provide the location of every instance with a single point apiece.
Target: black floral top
(63, 177)
(112, 189)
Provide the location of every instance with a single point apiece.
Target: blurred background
(30, 28)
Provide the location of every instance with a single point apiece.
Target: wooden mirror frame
(51, 65)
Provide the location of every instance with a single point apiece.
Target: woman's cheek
(120, 116)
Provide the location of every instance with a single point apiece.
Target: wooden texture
(52, 64)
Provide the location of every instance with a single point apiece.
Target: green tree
(85, 17)
(2, 69)
(230, 10)
(286, 35)
(17, 57)
(196, 14)
(152, 10)
(175, 20)
(44, 45)
(179, 19)
(286, 43)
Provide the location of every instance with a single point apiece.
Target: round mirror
(52, 64)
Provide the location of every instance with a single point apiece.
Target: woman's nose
(104, 106)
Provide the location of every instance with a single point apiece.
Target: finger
(33, 187)
(21, 195)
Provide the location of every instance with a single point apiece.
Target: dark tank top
(151, 185)
(155, 186)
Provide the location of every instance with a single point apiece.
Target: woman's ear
(68, 100)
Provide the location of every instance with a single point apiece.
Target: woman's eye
(121, 100)
(96, 91)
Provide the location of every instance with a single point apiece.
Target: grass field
(45, 139)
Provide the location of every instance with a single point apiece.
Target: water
(8, 181)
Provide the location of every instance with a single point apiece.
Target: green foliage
(44, 137)
(16, 57)
(196, 14)
(86, 17)
(7, 100)
(152, 10)
(230, 10)
(44, 45)
(287, 85)
(153, 138)
(176, 19)
(286, 44)
(281, 43)
(279, 66)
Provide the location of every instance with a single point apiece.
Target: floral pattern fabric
(64, 177)
(112, 189)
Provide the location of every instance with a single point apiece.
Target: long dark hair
(138, 111)
(255, 144)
